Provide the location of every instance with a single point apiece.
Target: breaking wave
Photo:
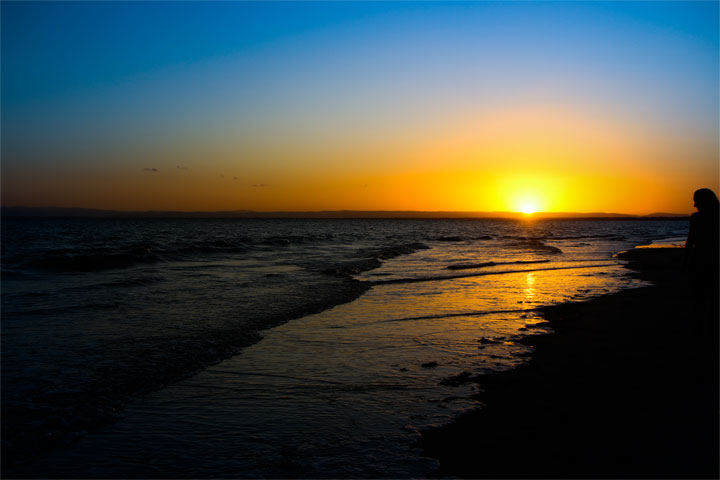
(481, 274)
(535, 246)
(373, 259)
(468, 266)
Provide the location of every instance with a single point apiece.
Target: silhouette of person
(703, 258)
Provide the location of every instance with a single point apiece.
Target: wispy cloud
(148, 169)
(260, 185)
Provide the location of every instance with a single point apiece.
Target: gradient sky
(488, 106)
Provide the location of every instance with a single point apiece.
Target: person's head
(705, 200)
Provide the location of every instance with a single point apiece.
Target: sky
(435, 106)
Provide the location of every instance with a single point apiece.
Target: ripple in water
(336, 393)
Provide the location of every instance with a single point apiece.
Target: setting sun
(308, 115)
(528, 208)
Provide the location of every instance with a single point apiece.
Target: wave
(461, 238)
(535, 246)
(481, 274)
(92, 259)
(41, 311)
(472, 313)
(137, 281)
(392, 251)
(238, 245)
(610, 236)
(529, 240)
(278, 241)
(467, 266)
(373, 259)
(93, 262)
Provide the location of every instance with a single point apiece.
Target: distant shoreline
(63, 212)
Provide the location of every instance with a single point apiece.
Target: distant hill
(663, 215)
(63, 212)
(55, 212)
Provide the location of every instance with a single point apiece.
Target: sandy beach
(623, 388)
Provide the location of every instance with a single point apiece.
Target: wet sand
(624, 388)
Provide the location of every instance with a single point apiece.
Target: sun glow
(529, 202)
(528, 208)
(529, 192)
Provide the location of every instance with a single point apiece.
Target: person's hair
(705, 200)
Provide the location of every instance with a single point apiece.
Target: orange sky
(575, 108)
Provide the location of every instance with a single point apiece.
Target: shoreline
(27, 436)
(519, 450)
(622, 388)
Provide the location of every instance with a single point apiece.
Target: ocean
(273, 348)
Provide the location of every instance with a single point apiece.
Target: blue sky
(238, 84)
(52, 47)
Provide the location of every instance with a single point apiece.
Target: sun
(528, 195)
(528, 208)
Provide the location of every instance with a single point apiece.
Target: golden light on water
(529, 287)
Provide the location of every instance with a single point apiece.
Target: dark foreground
(626, 387)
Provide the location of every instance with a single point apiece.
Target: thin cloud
(260, 185)
(180, 167)
(148, 169)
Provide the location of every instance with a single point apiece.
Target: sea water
(132, 348)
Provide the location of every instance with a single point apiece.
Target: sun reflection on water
(529, 287)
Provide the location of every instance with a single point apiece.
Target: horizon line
(52, 211)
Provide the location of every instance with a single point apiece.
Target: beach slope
(625, 387)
